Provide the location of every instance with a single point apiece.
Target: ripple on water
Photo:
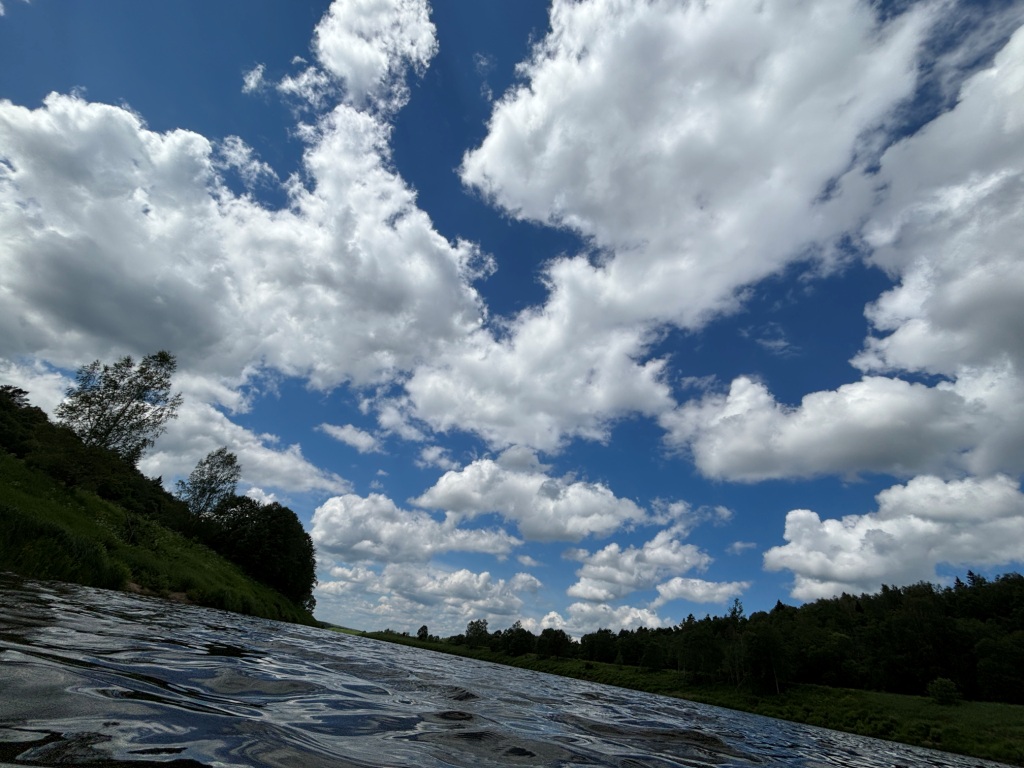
(102, 678)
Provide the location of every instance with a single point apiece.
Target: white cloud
(436, 456)
(368, 44)
(260, 495)
(122, 240)
(589, 617)
(689, 144)
(351, 435)
(751, 109)
(355, 529)
(698, 591)
(253, 81)
(201, 428)
(949, 232)
(405, 597)
(739, 547)
(45, 387)
(614, 572)
(544, 508)
(874, 425)
(925, 523)
(351, 282)
(559, 374)
(236, 154)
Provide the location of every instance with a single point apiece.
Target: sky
(583, 314)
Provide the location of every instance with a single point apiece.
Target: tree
(212, 481)
(270, 544)
(423, 633)
(122, 407)
(554, 642)
(477, 634)
(517, 640)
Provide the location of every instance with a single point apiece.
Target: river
(96, 677)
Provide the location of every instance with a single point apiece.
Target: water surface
(103, 678)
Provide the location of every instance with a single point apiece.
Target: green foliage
(48, 531)
(46, 550)
(121, 407)
(944, 691)
(554, 642)
(477, 634)
(82, 513)
(211, 483)
(269, 543)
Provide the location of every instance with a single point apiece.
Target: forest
(961, 641)
(108, 419)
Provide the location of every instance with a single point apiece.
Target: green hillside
(48, 531)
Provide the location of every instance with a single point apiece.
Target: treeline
(965, 640)
(109, 418)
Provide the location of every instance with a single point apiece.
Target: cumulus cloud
(352, 435)
(351, 282)
(689, 185)
(405, 597)
(590, 617)
(949, 233)
(875, 425)
(918, 526)
(436, 456)
(122, 239)
(543, 507)
(698, 590)
(614, 572)
(373, 528)
(201, 428)
(239, 156)
(369, 44)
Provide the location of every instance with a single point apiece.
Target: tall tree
(123, 407)
(476, 633)
(212, 481)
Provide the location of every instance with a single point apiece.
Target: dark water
(95, 677)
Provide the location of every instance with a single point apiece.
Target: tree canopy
(123, 407)
(212, 481)
(270, 544)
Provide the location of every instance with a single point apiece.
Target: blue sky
(585, 314)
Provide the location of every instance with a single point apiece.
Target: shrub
(944, 691)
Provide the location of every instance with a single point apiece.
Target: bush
(944, 691)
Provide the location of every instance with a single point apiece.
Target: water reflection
(90, 676)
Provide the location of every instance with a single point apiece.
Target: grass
(979, 729)
(48, 531)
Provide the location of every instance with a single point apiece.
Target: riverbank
(984, 730)
(49, 531)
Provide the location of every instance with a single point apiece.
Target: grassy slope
(50, 532)
(979, 729)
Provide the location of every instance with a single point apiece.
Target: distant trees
(961, 641)
(554, 642)
(212, 481)
(123, 407)
(477, 634)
